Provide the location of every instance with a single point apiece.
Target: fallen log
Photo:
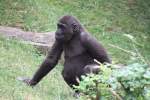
(43, 41)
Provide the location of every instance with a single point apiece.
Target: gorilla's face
(64, 32)
(67, 27)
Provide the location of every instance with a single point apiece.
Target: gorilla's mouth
(59, 37)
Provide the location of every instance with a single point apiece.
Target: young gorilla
(80, 50)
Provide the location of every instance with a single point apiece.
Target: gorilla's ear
(75, 27)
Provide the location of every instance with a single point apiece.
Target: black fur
(79, 47)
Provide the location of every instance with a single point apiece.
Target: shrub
(131, 82)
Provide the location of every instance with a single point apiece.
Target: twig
(139, 54)
(98, 92)
(127, 51)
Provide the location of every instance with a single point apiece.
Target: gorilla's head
(67, 27)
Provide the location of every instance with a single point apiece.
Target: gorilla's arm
(95, 49)
(49, 63)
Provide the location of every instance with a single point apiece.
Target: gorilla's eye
(59, 25)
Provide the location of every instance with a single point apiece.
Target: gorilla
(80, 51)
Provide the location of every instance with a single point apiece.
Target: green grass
(107, 20)
(22, 60)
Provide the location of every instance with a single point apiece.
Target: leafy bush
(131, 82)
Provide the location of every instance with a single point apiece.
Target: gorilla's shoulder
(85, 37)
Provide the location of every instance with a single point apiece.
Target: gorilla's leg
(69, 80)
(92, 68)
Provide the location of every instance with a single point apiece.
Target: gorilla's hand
(28, 81)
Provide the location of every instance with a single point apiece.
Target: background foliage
(131, 82)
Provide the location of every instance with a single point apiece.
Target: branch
(127, 51)
(115, 94)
